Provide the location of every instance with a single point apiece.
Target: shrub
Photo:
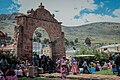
(101, 57)
(9, 57)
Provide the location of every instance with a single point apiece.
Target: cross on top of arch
(42, 14)
(41, 6)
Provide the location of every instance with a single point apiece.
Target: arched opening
(40, 43)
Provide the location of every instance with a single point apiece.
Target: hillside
(8, 22)
(102, 32)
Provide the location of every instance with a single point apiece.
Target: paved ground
(82, 76)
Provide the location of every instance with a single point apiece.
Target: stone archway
(27, 24)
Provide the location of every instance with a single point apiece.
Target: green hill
(102, 32)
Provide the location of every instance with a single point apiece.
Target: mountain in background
(9, 16)
(8, 22)
(101, 32)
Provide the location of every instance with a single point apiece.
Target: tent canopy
(84, 55)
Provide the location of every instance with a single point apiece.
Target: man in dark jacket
(117, 62)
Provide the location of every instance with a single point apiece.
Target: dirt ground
(82, 76)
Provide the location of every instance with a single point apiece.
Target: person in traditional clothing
(26, 71)
(68, 65)
(10, 74)
(63, 67)
(98, 66)
(60, 62)
(85, 67)
(63, 70)
(18, 72)
(74, 65)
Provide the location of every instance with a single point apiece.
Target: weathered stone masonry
(27, 24)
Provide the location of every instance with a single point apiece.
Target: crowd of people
(75, 65)
(6, 70)
(44, 62)
(62, 65)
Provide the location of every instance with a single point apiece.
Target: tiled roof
(7, 48)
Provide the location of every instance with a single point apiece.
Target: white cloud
(16, 1)
(67, 10)
(117, 12)
(99, 18)
(12, 7)
(101, 4)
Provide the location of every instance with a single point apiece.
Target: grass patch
(105, 72)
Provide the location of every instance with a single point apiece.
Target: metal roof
(108, 46)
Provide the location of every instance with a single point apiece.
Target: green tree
(102, 57)
(45, 41)
(88, 41)
(36, 39)
(38, 34)
(66, 42)
(76, 40)
(72, 43)
(9, 57)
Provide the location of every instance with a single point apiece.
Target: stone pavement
(82, 76)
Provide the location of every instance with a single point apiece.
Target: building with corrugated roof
(115, 48)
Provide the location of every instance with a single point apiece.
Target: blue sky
(70, 12)
(106, 7)
(8, 6)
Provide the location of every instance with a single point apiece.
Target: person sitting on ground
(109, 65)
(93, 64)
(104, 67)
(98, 66)
(19, 72)
(92, 67)
(10, 74)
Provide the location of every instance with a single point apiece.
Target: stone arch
(27, 24)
